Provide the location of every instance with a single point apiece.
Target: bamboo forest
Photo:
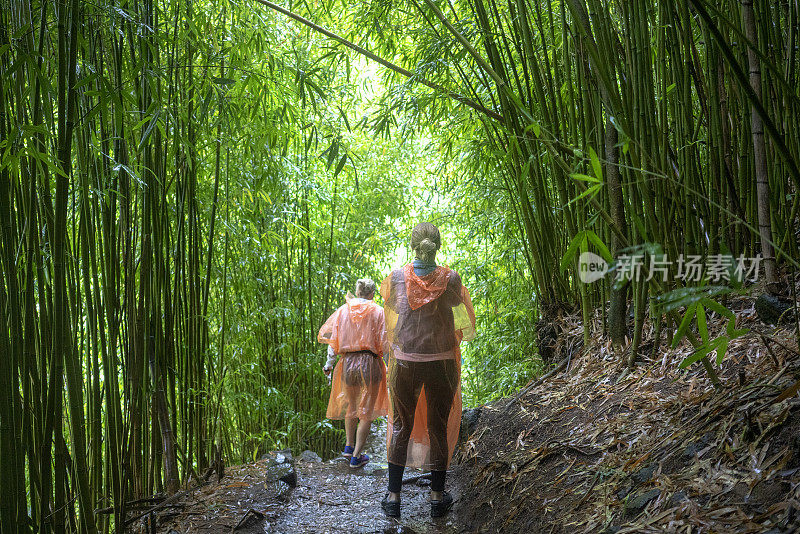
(190, 189)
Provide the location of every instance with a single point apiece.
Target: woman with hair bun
(358, 393)
(428, 313)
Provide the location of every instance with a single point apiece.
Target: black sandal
(441, 507)
(390, 508)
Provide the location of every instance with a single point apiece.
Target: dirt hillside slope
(598, 449)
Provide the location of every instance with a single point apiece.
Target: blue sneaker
(361, 461)
(348, 451)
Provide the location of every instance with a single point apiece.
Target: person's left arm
(463, 312)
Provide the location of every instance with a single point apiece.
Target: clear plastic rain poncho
(356, 333)
(426, 320)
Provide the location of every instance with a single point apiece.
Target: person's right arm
(328, 367)
(329, 334)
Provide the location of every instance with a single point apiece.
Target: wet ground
(332, 497)
(328, 497)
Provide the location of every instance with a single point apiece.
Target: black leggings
(396, 478)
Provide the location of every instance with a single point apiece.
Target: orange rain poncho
(426, 320)
(356, 332)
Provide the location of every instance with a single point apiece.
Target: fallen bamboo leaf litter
(655, 416)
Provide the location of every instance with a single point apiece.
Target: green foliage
(697, 300)
(224, 175)
(581, 242)
(504, 355)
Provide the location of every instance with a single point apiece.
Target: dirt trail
(332, 497)
(597, 448)
(328, 497)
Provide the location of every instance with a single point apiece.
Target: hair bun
(426, 246)
(425, 241)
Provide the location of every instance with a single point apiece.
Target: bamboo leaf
(340, 166)
(535, 127)
(698, 355)
(149, 130)
(686, 296)
(584, 178)
(578, 242)
(599, 245)
(590, 192)
(596, 167)
(722, 348)
(702, 326)
(684, 326)
(717, 307)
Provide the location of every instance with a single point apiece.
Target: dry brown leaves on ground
(657, 449)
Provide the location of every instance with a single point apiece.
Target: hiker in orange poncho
(358, 394)
(428, 314)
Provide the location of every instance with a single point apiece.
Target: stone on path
(310, 456)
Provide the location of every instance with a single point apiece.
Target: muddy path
(326, 497)
(332, 497)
